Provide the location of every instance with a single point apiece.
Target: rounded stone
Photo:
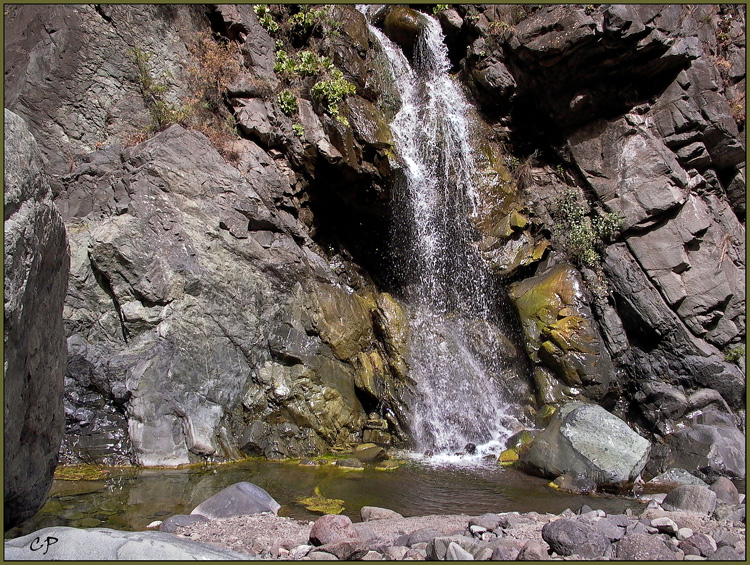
(691, 498)
(332, 528)
(725, 490)
(571, 537)
(239, 499)
(402, 26)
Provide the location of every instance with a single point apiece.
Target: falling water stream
(456, 354)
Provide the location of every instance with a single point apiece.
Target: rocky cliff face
(36, 275)
(230, 286)
(641, 109)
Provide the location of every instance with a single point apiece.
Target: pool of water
(130, 499)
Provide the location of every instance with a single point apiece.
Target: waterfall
(457, 354)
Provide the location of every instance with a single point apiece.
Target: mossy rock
(81, 473)
(350, 463)
(402, 26)
(521, 440)
(319, 503)
(544, 415)
(388, 465)
(508, 457)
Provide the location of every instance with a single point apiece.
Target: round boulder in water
(240, 499)
(402, 26)
(585, 439)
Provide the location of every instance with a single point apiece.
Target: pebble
(512, 536)
(665, 525)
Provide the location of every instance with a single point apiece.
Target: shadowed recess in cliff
(460, 359)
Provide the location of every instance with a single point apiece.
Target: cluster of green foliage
(734, 354)
(331, 87)
(439, 8)
(265, 18)
(307, 63)
(288, 102)
(331, 91)
(154, 90)
(582, 236)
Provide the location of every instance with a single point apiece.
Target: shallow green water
(130, 499)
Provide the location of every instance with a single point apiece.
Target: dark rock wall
(36, 275)
(227, 294)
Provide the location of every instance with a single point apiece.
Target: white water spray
(456, 355)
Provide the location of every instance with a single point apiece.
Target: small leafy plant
(734, 354)
(439, 8)
(582, 236)
(265, 18)
(298, 130)
(332, 91)
(306, 64)
(288, 102)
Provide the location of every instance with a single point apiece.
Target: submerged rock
(586, 439)
(240, 499)
(675, 477)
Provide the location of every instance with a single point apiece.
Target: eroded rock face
(560, 331)
(36, 275)
(286, 350)
(257, 288)
(660, 144)
(203, 320)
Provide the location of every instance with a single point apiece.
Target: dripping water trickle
(458, 356)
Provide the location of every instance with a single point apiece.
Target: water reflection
(130, 499)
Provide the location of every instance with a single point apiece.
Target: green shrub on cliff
(288, 102)
(580, 235)
(332, 91)
(265, 18)
(734, 354)
(154, 90)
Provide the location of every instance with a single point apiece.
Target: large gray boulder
(709, 450)
(239, 499)
(573, 537)
(691, 498)
(36, 269)
(587, 440)
(102, 544)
